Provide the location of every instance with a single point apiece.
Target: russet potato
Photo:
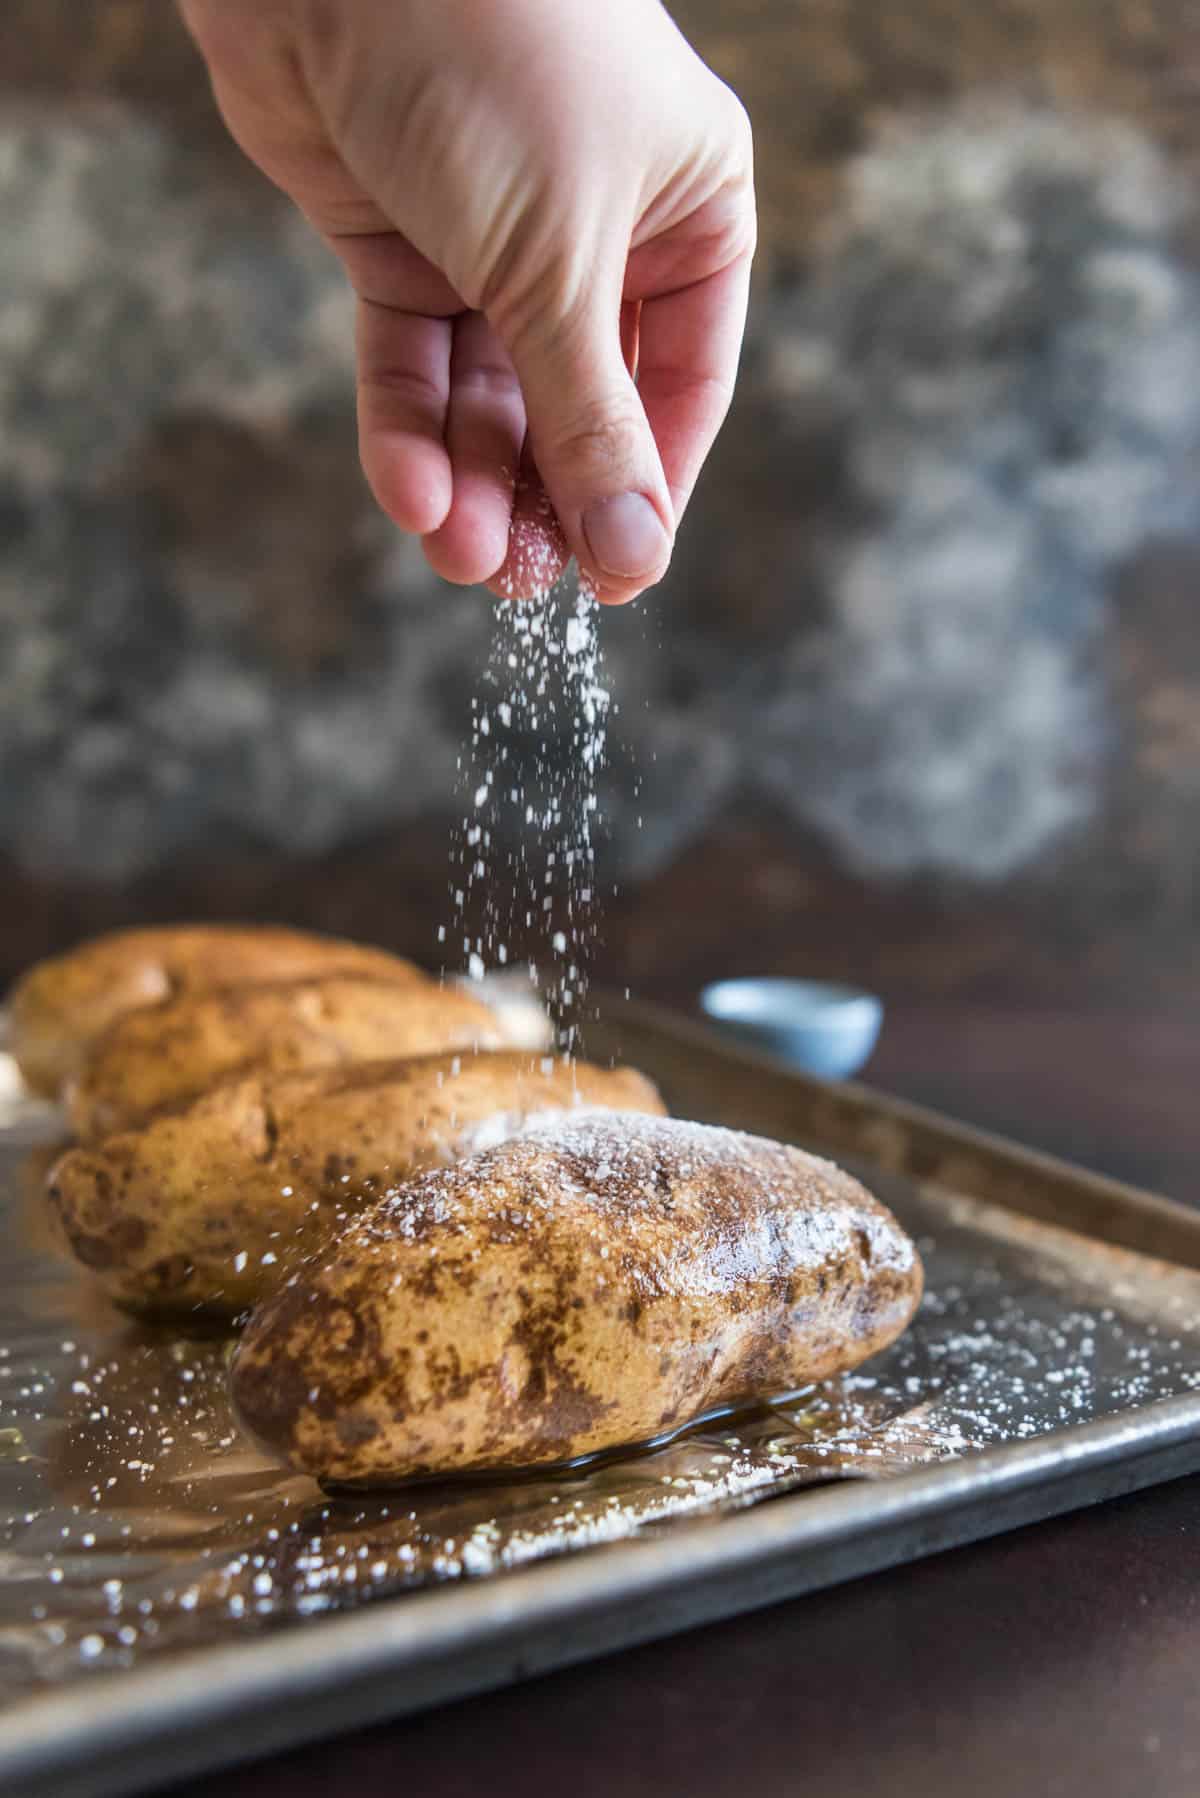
(59, 1008)
(208, 1209)
(166, 1055)
(570, 1291)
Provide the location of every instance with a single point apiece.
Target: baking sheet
(139, 1533)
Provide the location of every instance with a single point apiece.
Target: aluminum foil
(135, 1521)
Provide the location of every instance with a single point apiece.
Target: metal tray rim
(1108, 1199)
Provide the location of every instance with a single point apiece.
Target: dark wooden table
(1062, 1659)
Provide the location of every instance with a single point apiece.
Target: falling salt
(523, 858)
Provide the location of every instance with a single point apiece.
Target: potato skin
(569, 1292)
(58, 1008)
(210, 1208)
(165, 1055)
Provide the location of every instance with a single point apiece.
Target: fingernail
(625, 535)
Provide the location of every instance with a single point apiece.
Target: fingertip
(625, 535)
(412, 482)
(594, 447)
(530, 569)
(537, 550)
(469, 554)
(628, 544)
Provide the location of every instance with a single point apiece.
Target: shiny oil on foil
(136, 1521)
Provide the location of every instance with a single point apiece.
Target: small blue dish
(827, 1030)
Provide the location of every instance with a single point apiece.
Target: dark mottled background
(920, 702)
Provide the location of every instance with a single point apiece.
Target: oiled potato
(59, 1008)
(167, 1054)
(570, 1291)
(211, 1207)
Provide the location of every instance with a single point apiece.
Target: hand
(530, 198)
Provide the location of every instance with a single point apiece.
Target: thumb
(593, 446)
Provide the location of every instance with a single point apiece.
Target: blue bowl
(825, 1029)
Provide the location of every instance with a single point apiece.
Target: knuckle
(741, 130)
(741, 147)
(604, 434)
(746, 233)
(733, 158)
(730, 119)
(404, 387)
